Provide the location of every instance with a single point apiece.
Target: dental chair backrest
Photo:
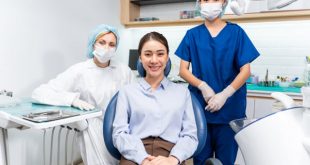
(110, 114)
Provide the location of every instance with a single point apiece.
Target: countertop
(260, 91)
(264, 92)
(15, 115)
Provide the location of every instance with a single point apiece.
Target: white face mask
(103, 55)
(211, 11)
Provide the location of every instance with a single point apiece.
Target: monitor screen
(133, 58)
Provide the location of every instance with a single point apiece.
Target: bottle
(307, 71)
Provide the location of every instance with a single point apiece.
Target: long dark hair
(153, 36)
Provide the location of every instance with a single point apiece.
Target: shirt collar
(146, 86)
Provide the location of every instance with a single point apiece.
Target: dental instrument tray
(46, 116)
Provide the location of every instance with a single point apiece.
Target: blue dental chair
(199, 117)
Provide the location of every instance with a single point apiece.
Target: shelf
(155, 2)
(274, 16)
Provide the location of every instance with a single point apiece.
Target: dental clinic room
(155, 82)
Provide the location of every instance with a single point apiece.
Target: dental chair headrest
(142, 72)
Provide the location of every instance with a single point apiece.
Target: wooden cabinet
(250, 107)
(155, 2)
(258, 107)
(263, 107)
(130, 9)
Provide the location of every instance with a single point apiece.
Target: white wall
(41, 38)
(283, 45)
(38, 40)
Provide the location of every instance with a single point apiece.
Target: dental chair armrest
(286, 100)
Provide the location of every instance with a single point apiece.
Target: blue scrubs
(217, 61)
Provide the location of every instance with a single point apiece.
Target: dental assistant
(220, 54)
(87, 85)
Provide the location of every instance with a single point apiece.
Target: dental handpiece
(72, 146)
(51, 150)
(58, 145)
(44, 138)
(66, 143)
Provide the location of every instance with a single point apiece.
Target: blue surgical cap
(224, 6)
(95, 33)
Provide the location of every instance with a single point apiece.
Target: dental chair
(198, 112)
(280, 138)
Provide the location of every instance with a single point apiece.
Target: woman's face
(107, 41)
(154, 58)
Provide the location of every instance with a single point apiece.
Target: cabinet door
(250, 107)
(263, 107)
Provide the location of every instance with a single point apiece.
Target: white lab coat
(94, 85)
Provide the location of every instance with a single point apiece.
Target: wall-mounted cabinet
(130, 9)
(155, 2)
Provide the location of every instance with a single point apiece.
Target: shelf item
(147, 19)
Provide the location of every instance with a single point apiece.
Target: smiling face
(154, 57)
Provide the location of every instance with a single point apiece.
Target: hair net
(224, 6)
(95, 33)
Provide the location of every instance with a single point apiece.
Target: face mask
(103, 54)
(211, 11)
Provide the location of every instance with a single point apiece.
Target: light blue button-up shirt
(166, 112)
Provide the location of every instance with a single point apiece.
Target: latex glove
(206, 90)
(82, 105)
(218, 100)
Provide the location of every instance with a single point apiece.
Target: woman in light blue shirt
(154, 120)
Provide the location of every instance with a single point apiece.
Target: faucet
(6, 93)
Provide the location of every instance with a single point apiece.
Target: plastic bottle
(307, 71)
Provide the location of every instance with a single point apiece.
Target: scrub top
(217, 61)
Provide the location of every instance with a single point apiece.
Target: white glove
(218, 100)
(82, 105)
(206, 90)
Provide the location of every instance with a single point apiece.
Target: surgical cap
(95, 33)
(224, 6)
